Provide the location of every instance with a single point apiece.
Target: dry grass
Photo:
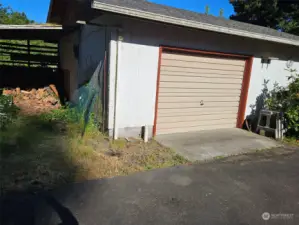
(122, 158)
(42, 154)
(291, 141)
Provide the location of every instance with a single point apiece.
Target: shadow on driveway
(233, 190)
(22, 210)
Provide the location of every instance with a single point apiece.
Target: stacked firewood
(35, 101)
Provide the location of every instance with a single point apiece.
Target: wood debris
(35, 101)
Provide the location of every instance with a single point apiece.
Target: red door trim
(206, 52)
(245, 83)
(157, 91)
(244, 92)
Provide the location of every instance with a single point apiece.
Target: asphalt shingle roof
(163, 10)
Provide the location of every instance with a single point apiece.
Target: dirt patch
(35, 101)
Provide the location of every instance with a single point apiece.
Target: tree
(8, 16)
(221, 12)
(207, 10)
(277, 14)
(286, 100)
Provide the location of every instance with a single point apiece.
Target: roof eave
(188, 23)
(50, 12)
(30, 27)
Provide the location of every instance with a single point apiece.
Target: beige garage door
(198, 92)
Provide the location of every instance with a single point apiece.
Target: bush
(66, 114)
(8, 111)
(286, 100)
(70, 116)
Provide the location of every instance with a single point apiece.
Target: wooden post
(28, 50)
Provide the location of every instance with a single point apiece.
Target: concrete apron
(206, 145)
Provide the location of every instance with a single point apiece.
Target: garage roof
(160, 13)
(32, 32)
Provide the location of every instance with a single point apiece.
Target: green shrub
(71, 116)
(66, 114)
(286, 100)
(8, 111)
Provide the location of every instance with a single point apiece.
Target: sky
(37, 10)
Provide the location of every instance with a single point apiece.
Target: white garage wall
(138, 65)
(276, 71)
(68, 62)
(92, 51)
(91, 42)
(136, 85)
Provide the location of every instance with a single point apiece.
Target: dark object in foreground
(20, 209)
(64, 213)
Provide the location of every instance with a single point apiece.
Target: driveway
(235, 190)
(206, 145)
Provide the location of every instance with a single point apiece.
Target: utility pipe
(118, 57)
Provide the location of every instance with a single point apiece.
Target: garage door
(198, 92)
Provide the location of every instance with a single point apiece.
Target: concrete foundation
(131, 132)
(205, 145)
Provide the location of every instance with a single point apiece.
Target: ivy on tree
(278, 14)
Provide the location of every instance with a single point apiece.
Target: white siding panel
(198, 99)
(167, 69)
(194, 128)
(92, 51)
(180, 105)
(186, 125)
(69, 63)
(206, 74)
(197, 111)
(197, 92)
(202, 59)
(200, 79)
(199, 85)
(138, 78)
(195, 118)
(202, 65)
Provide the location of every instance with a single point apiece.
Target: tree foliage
(207, 10)
(221, 12)
(8, 16)
(8, 111)
(278, 14)
(286, 100)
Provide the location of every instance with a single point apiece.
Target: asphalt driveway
(234, 190)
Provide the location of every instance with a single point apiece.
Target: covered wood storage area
(29, 57)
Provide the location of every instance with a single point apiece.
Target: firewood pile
(35, 101)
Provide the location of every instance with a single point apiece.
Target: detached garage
(172, 70)
(198, 90)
